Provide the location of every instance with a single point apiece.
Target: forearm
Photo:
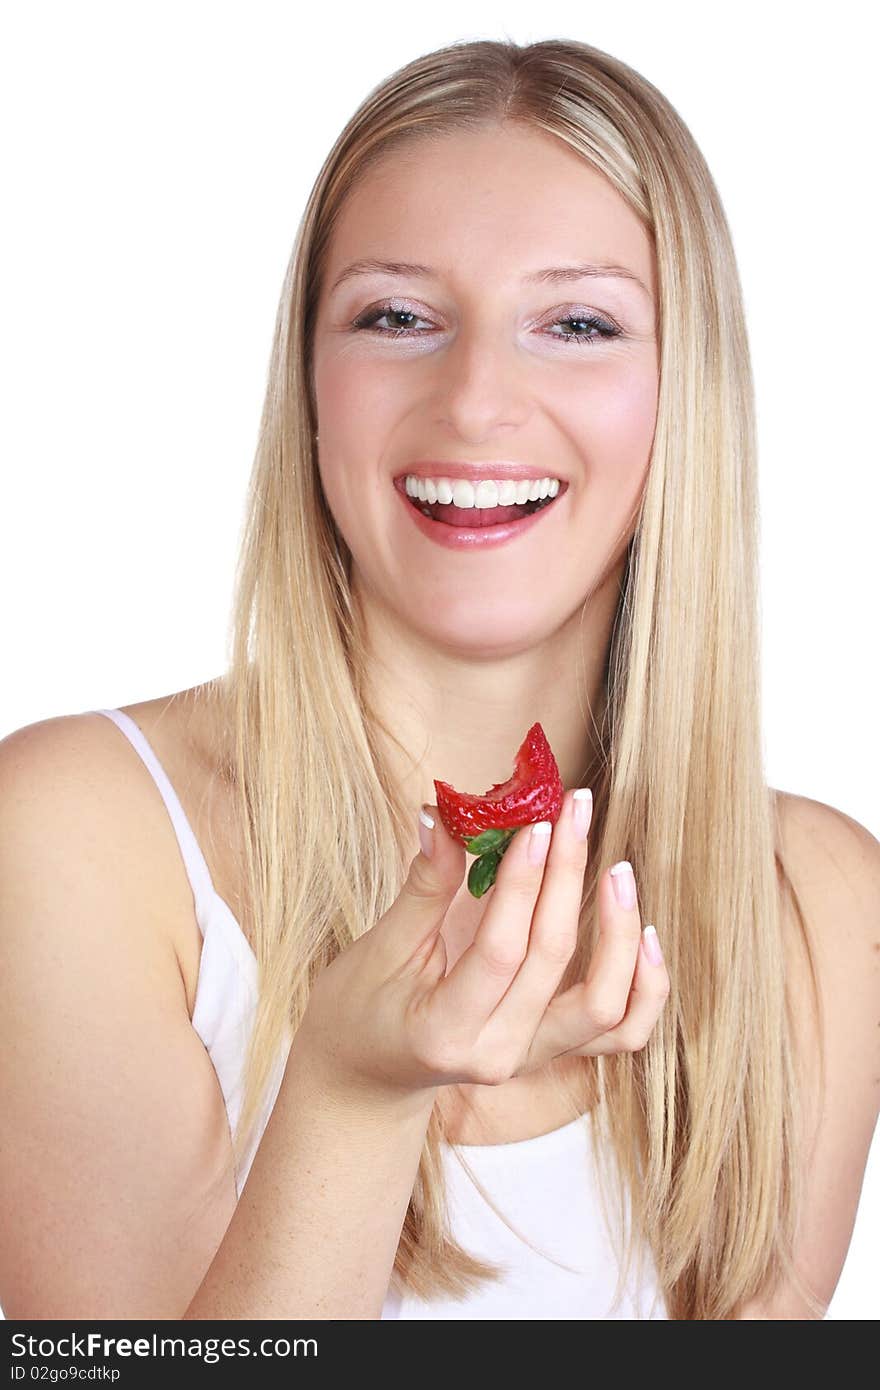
(316, 1229)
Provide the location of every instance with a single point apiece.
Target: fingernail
(652, 945)
(539, 841)
(426, 833)
(624, 884)
(583, 812)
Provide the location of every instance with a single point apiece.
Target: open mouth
(476, 517)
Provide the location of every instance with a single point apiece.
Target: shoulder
(61, 773)
(831, 891)
(33, 746)
(94, 1014)
(831, 868)
(75, 799)
(66, 788)
(73, 785)
(67, 763)
(85, 760)
(825, 844)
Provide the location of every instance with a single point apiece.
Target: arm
(318, 1222)
(834, 863)
(117, 1195)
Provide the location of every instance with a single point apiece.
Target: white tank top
(546, 1187)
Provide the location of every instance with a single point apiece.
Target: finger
(483, 972)
(650, 990)
(555, 928)
(598, 1003)
(409, 927)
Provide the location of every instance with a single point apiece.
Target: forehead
(490, 203)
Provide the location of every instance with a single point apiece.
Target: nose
(483, 384)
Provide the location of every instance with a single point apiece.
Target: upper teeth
(489, 492)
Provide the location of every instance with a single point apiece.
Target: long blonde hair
(700, 1126)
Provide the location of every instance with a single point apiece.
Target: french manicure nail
(624, 884)
(583, 812)
(539, 841)
(652, 945)
(426, 833)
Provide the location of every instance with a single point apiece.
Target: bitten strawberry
(486, 824)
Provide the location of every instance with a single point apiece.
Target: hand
(389, 1016)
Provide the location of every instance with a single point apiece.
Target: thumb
(409, 931)
(435, 875)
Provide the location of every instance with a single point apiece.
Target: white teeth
(488, 492)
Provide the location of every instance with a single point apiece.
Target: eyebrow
(551, 275)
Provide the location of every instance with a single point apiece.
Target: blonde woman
(265, 1055)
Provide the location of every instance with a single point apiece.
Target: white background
(157, 160)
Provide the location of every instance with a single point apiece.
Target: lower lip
(473, 537)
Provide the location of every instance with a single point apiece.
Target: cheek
(612, 434)
(620, 413)
(350, 488)
(614, 431)
(353, 422)
(356, 398)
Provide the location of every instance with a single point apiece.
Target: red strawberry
(486, 824)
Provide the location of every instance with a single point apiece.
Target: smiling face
(481, 362)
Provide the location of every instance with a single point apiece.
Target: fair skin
(488, 379)
(108, 946)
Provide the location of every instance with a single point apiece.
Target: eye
(593, 327)
(371, 317)
(591, 323)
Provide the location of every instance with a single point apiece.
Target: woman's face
(474, 360)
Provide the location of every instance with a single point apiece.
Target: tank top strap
(196, 866)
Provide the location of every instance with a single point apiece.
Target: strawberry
(486, 824)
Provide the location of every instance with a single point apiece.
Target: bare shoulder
(110, 1092)
(75, 777)
(81, 777)
(832, 866)
(831, 881)
(829, 847)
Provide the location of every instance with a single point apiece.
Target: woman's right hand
(386, 1015)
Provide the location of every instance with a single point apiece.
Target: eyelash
(606, 330)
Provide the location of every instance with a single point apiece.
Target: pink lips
(471, 537)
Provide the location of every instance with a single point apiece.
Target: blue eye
(372, 316)
(602, 327)
(593, 325)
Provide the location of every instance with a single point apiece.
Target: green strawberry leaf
(483, 870)
(482, 873)
(489, 839)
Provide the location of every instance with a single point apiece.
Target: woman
(338, 1004)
